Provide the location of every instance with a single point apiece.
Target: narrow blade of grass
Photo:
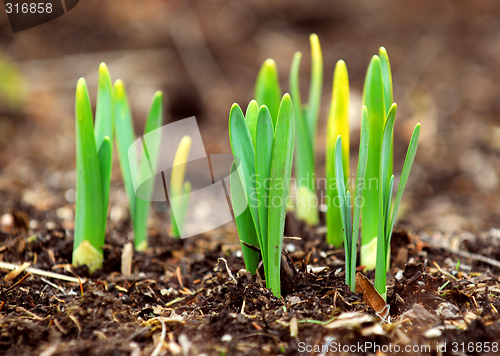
(410, 157)
(89, 211)
(263, 157)
(177, 185)
(342, 197)
(104, 153)
(281, 169)
(387, 81)
(373, 95)
(360, 179)
(251, 116)
(385, 156)
(304, 157)
(148, 170)
(267, 88)
(104, 128)
(124, 133)
(315, 87)
(385, 196)
(241, 145)
(338, 124)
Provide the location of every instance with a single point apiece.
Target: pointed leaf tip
(81, 85)
(270, 64)
(103, 69)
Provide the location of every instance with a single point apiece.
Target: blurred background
(205, 55)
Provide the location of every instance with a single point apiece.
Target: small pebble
(433, 333)
(50, 225)
(34, 224)
(290, 248)
(239, 254)
(117, 213)
(7, 220)
(226, 338)
(65, 213)
(70, 195)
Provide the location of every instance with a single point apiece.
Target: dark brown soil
(444, 56)
(182, 285)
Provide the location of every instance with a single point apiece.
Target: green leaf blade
(263, 157)
(337, 125)
(147, 171)
(244, 153)
(267, 88)
(244, 222)
(405, 174)
(315, 87)
(373, 99)
(89, 210)
(281, 168)
(251, 117)
(124, 133)
(104, 128)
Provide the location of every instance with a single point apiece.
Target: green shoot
(129, 162)
(267, 88)
(244, 222)
(264, 173)
(386, 215)
(377, 97)
(179, 188)
(93, 164)
(350, 226)
(306, 121)
(338, 125)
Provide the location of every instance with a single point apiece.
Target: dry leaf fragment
(16, 272)
(350, 320)
(127, 255)
(372, 297)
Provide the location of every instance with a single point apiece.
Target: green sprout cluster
(373, 206)
(94, 150)
(375, 163)
(264, 146)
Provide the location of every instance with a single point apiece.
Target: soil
(180, 299)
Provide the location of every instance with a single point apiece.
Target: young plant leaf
(315, 87)
(373, 99)
(242, 147)
(89, 210)
(104, 153)
(148, 169)
(281, 168)
(387, 82)
(244, 222)
(251, 116)
(338, 124)
(385, 196)
(267, 88)
(358, 195)
(410, 157)
(343, 207)
(177, 185)
(124, 133)
(304, 158)
(103, 129)
(263, 156)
